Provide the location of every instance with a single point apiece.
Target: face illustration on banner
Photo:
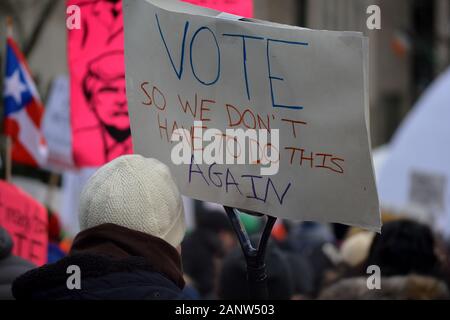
(104, 90)
(99, 101)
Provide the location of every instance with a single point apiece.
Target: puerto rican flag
(23, 110)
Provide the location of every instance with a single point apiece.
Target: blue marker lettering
(272, 77)
(244, 55)
(218, 56)
(178, 72)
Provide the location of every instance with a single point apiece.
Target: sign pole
(8, 160)
(254, 257)
(6, 139)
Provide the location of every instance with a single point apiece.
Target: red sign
(26, 221)
(98, 104)
(242, 8)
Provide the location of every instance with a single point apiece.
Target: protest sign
(242, 8)
(56, 126)
(99, 116)
(25, 219)
(305, 90)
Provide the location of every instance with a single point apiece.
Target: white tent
(417, 170)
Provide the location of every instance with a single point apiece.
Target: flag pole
(8, 162)
(7, 139)
(9, 26)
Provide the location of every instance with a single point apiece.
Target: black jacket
(115, 263)
(101, 278)
(11, 266)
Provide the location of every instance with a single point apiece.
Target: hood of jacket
(406, 287)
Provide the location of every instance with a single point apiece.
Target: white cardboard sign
(185, 64)
(56, 126)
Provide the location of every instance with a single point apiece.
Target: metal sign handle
(254, 257)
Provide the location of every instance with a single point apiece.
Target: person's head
(202, 256)
(403, 247)
(218, 223)
(104, 89)
(212, 238)
(6, 243)
(302, 275)
(233, 280)
(137, 193)
(355, 249)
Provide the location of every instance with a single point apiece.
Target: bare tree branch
(46, 12)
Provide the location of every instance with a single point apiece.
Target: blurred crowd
(133, 244)
(309, 260)
(305, 260)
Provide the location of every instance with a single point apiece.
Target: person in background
(354, 252)
(54, 252)
(302, 276)
(217, 222)
(313, 243)
(132, 222)
(233, 279)
(405, 254)
(305, 237)
(404, 247)
(11, 266)
(204, 249)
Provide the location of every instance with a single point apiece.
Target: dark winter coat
(10, 266)
(115, 263)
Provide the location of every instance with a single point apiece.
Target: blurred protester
(405, 254)
(217, 222)
(11, 266)
(233, 279)
(410, 287)
(339, 232)
(204, 249)
(404, 247)
(327, 265)
(189, 290)
(313, 242)
(302, 276)
(305, 237)
(355, 250)
(132, 222)
(55, 252)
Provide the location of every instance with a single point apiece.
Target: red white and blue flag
(23, 110)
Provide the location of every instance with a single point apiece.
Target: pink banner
(25, 219)
(242, 8)
(99, 112)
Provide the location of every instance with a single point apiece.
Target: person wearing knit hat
(132, 223)
(355, 249)
(137, 193)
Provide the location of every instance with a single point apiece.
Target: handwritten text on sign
(310, 85)
(26, 221)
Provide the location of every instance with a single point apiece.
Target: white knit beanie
(137, 193)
